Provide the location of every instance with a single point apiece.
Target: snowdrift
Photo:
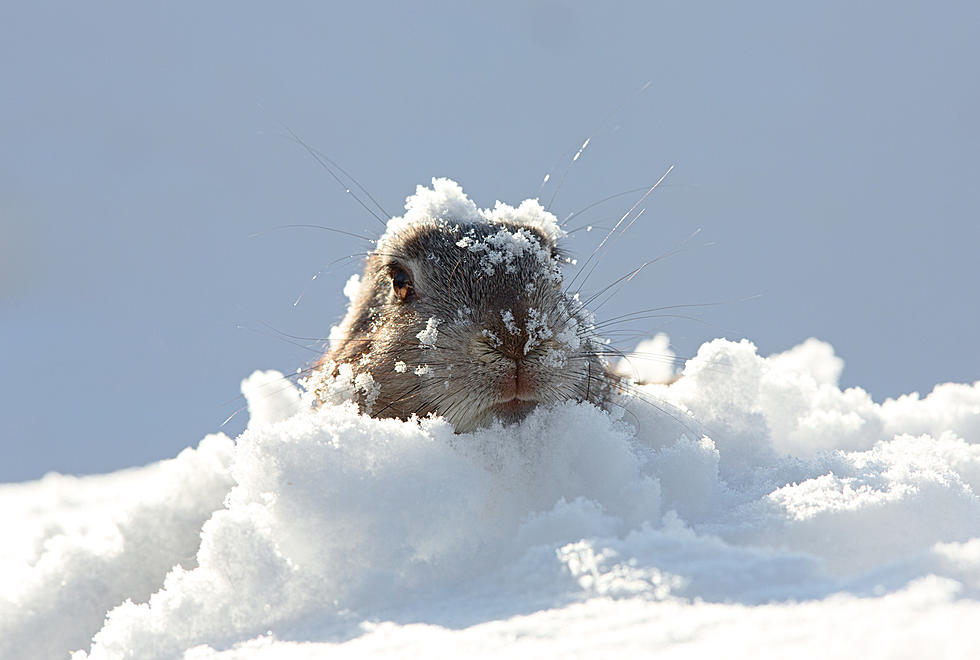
(751, 509)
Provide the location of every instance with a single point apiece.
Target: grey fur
(494, 311)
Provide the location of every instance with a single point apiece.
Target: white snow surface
(651, 361)
(752, 509)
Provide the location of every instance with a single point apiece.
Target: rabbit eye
(401, 283)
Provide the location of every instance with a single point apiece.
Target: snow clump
(651, 361)
(446, 202)
(428, 337)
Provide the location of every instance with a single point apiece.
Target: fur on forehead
(424, 239)
(446, 205)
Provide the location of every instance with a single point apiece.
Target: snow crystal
(364, 383)
(568, 335)
(336, 383)
(537, 329)
(401, 367)
(505, 248)
(492, 336)
(751, 509)
(429, 336)
(554, 358)
(508, 318)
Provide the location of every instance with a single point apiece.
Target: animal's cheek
(486, 358)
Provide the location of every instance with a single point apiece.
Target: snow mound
(750, 509)
(75, 547)
(651, 361)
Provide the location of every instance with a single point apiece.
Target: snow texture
(651, 361)
(752, 509)
(428, 337)
(446, 202)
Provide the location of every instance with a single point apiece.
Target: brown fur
(482, 365)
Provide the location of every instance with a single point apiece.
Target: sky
(826, 152)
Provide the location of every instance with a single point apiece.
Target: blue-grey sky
(828, 151)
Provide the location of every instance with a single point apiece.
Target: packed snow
(750, 509)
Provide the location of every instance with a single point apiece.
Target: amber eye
(401, 283)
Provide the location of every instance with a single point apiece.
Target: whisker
(322, 160)
(300, 226)
(615, 227)
(317, 274)
(280, 336)
(598, 203)
(356, 182)
(588, 140)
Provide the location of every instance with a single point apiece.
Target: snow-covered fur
(487, 330)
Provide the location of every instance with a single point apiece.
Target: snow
(430, 335)
(446, 202)
(651, 361)
(505, 248)
(508, 318)
(352, 287)
(751, 508)
(75, 547)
